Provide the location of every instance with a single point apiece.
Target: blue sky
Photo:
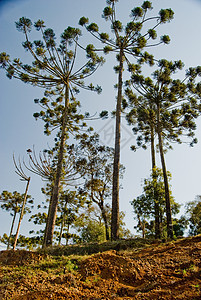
(20, 131)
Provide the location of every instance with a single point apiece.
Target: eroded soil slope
(167, 271)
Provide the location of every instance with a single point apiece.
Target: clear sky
(19, 130)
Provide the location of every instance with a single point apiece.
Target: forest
(158, 98)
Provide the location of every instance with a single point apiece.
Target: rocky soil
(164, 271)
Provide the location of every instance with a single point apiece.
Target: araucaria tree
(167, 108)
(96, 165)
(45, 165)
(13, 202)
(126, 41)
(144, 205)
(53, 66)
(193, 216)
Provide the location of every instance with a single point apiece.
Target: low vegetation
(136, 269)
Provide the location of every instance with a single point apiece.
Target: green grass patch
(91, 248)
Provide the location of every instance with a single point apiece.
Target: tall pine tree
(165, 107)
(53, 66)
(129, 40)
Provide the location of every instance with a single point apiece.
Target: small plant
(184, 272)
(88, 282)
(96, 278)
(197, 287)
(71, 266)
(57, 265)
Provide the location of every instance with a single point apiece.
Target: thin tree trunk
(167, 192)
(105, 221)
(21, 213)
(61, 229)
(156, 202)
(115, 188)
(63, 220)
(67, 238)
(11, 229)
(143, 230)
(55, 194)
(48, 215)
(161, 223)
(142, 225)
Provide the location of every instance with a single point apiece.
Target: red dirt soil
(168, 271)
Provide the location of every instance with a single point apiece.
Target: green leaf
(133, 27)
(117, 25)
(141, 42)
(116, 69)
(36, 115)
(49, 37)
(93, 27)
(83, 21)
(104, 36)
(70, 34)
(107, 12)
(165, 39)
(90, 48)
(104, 114)
(27, 45)
(137, 12)
(133, 148)
(24, 25)
(166, 15)
(107, 49)
(10, 72)
(39, 24)
(147, 5)
(4, 59)
(152, 34)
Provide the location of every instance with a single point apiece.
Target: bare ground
(165, 271)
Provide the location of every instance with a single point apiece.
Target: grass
(28, 277)
(57, 261)
(91, 248)
(55, 269)
(45, 268)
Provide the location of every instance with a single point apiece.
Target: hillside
(158, 271)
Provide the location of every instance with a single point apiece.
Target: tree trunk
(45, 233)
(142, 225)
(67, 238)
(115, 188)
(105, 221)
(21, 213)
(55, 194)
(167, 192)
(63, 220)
(156, 202)
(11, 229)
(143, 230)
(61, 229)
